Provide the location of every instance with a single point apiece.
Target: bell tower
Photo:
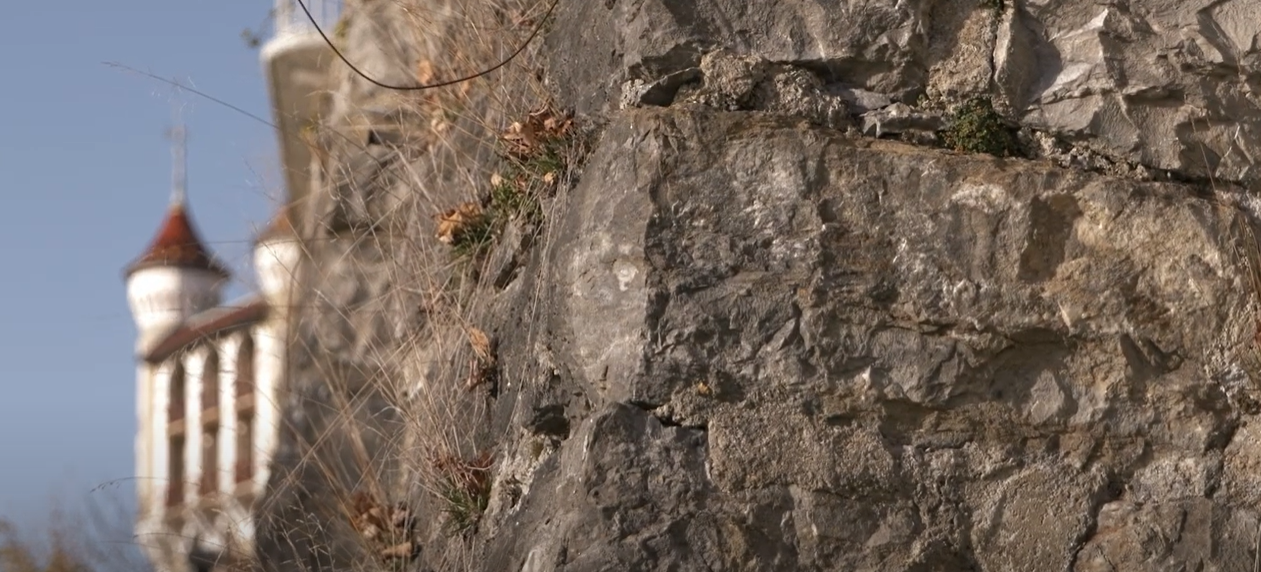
(174, 278)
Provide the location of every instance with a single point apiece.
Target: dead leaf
(424, 72)
(380, 525)
(481, 344)
(400, 517)
(457, 221)
(439, 124)
(521, 138)
(524, 138)
(401, 550)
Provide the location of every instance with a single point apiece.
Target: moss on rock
(976, 128)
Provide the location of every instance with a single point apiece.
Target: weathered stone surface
(1186, 535)
(620, 508)
(1241, 473)
(871, 45)
(1035, 519)
(1167, 84)
(731, 82)
(747, 341)
(1163, 83)
(914, 360)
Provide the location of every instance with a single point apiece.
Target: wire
(537, 28)
(179, 85)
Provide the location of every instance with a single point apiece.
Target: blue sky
(85, 179)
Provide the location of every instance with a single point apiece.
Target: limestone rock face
(755, 334)
(821, 353)
(1167, 84)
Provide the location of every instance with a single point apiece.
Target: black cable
(352, 67)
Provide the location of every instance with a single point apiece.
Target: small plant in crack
(512, 196)
(537, 154)
(995, 5)
(468, 228)
(464, 487)
(976, 128)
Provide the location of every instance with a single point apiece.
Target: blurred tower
(176, 276)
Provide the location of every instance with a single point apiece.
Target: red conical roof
(178, 245)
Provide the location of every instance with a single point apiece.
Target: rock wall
(753, 330)
(818, 352)
(1166, 84)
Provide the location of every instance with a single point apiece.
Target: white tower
(277, 255)
(296, 61)
(176, 276)
(173, 279)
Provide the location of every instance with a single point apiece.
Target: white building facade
(210, 375)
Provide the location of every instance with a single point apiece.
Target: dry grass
(395, 455)
(95, 536)
(464, 488)
(21, 555)
(394, 452)
(397, 424)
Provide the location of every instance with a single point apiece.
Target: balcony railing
(291, 20)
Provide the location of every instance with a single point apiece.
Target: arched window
(245, 368)
(210, 425)
(244, 445)
(175, 437)
(210, 382)
(175, 471)
(245, 410)
(175, 409)
(210, 458)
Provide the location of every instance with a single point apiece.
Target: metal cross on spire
(179, 179)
